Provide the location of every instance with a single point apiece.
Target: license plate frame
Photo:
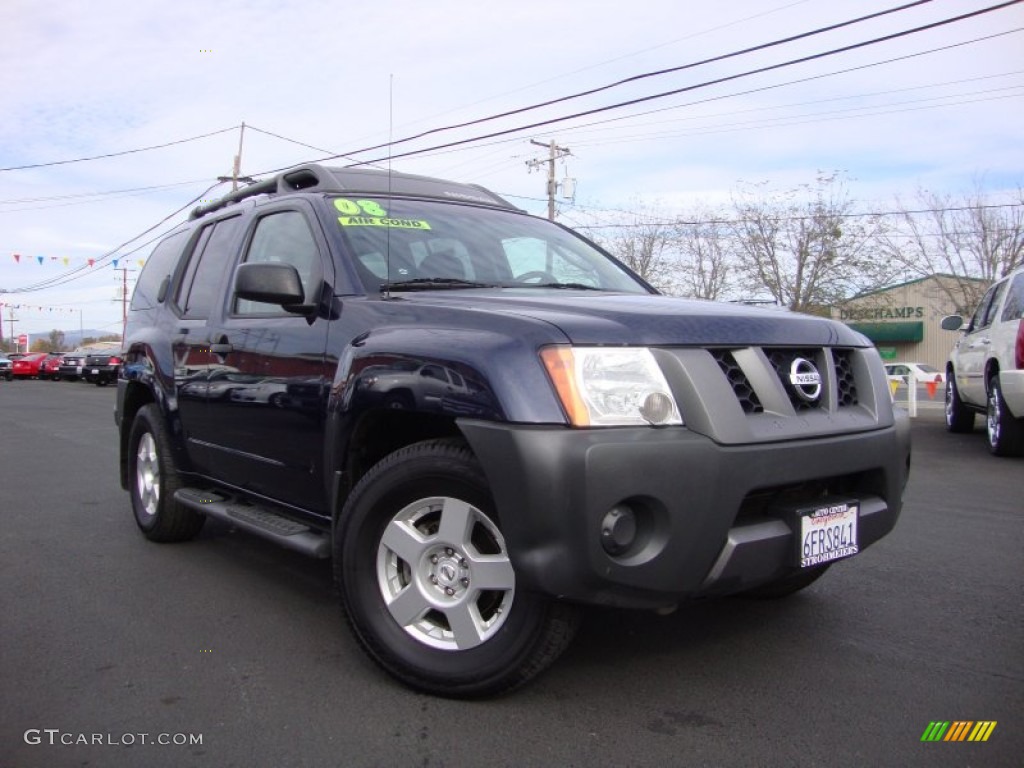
(827, 533)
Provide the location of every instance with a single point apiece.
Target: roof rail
(259, 188)
(318, 178)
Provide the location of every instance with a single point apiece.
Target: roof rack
(318, 178)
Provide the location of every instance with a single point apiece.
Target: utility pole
(555, 152)
(124, 298)
(10, 319)
(236, 167)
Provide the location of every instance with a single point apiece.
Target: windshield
(410, 245)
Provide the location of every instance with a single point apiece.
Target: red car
(27, 367)
(50, 367)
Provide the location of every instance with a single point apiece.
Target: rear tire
(958, 417)
(153, 481)
(426, 581)
(1005, 434)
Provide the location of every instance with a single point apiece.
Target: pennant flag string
(67, 260)
(37, 308)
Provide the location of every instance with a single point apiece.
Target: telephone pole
(124, 298)
(236, 166)
(11, 320)
(555, 152)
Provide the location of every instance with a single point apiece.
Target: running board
(258, 520)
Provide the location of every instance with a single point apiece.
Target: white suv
(985, 372)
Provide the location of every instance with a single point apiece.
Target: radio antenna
(387, 230)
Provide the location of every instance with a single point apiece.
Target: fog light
(657, 408)
(618, 530)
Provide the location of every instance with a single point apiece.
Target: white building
(903, 321)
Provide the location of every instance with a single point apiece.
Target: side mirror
(952, 323)
(269, 283)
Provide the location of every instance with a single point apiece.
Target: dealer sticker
(828, 533)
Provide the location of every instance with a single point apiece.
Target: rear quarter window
(158, 267)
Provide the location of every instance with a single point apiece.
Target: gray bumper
(712, 519)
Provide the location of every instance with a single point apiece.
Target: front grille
(745, 394)
(845, 382)
(735, 364)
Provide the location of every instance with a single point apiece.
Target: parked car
(101, 368)
(985, 372)
(921, 373)
(71, 365)
(5, 367)
(50, 367)
(27, 366)
(488, 421)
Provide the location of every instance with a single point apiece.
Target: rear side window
(211, 260)
(159, 267)
(1014, 307)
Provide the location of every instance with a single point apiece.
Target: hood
(647, 320)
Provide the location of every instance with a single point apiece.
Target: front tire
(958, 418)
(1005, 433)
(154, 480)
(427, 584)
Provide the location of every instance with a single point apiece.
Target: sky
(939, 109)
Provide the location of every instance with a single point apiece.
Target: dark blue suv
(487, 421)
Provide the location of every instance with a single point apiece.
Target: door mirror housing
(271, 283)
(952, 323)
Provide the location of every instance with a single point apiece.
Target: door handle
(222, 347)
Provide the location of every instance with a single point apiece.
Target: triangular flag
(17, 258)
(91, 262)
(66, 260)
(40, 258)
(115, 263)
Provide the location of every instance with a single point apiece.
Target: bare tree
(963, 238)
(705, 261)
(802, 247)
(644, 243)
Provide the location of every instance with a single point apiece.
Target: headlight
(604, 387)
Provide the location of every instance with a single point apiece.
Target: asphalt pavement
(233, 651)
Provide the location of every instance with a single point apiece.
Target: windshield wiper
(563, 286)
(433, 284)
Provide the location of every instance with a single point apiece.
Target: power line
(97, 194)
(117, 154)
(806, 119)
(293, 141)
(74, 273)
(677, 91)
(657, 73)
(620, 58)
(865, 214)
(460, 146)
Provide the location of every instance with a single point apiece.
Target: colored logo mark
(958, 730)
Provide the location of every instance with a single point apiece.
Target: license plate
(828, 533)
(95, 371)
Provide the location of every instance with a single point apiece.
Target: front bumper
(711, 519)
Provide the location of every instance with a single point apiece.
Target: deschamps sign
(880, 313)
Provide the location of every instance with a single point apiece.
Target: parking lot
(239, 643)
